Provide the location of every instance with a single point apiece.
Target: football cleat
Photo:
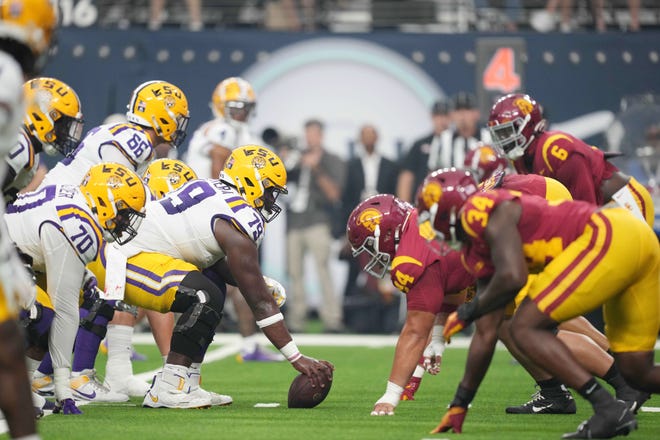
(260, 355)
(540, 403)
(86, 386)
(216, 399)
(171, 390)
(130, 385)
(633, 398)
(43, 384)
(614, 421)
(410, 389)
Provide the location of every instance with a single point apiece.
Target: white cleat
(130, 385)
(86, 386)
(43, 384)
(216, 399)
(170, 390)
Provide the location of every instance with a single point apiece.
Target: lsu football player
(26, 31)
(584, 257)
(196, 227)
(61, 228)
(53, 123)
(518, 128)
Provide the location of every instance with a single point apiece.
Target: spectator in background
(318, 177)
(157, 14)
(415, 165)
(368, 174)
(468, 131)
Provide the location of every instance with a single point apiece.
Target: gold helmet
(259, 176)
(233, 99)
(161, 106)
(165, 175)
(31, 23)
(116, 195)
(53, 115)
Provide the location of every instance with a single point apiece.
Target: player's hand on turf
(315, 370)
(433, 357)
(453, 325)
(67, 407)
(452, 420)
(383, 409)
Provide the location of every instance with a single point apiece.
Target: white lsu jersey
(12, 107)
(181, 224)
(126, 144)
(62, 206)
(215, 132)
(24, 161)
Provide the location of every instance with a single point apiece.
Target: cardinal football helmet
(233, 99)
(161, 106)
(374, 227)
(484, 161)
(31, 23)
(165, 175)
(514, 121)
(439, 199)
(116, 195)
(53, 115)
(259, 176)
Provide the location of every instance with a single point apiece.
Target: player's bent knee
(37, 321)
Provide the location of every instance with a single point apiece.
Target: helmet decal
(524, 105)
(431, 193)
(370, 218)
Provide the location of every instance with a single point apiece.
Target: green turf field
(360, 378)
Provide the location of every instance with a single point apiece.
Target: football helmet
(484, 161)
(165, 175)
(259, 176)
(32, 23)
(233, 99)
(161, 106)
(439, 199)
(53, 115)
(514, 122)
(116, 195)
(374, 227)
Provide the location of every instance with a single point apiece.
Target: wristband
(277, 317)
(463, 397)
(291, 352)
(392, 394)
(468, 312)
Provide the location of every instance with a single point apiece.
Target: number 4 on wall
(500, 73)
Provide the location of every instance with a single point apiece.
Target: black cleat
(546, 404)
(634, 399)
(606, 424)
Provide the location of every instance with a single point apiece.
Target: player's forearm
(480, 352)
(409, 349)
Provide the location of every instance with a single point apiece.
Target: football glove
(410, 389)
(453, 325)
(433, 352)
(453, 419)
(277, 290)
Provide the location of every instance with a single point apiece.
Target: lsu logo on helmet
(370, 218)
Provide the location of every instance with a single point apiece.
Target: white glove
(433, 352)
(17, 283)
(277, 290)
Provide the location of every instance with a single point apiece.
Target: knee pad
(196, 288)
(37, 322)
(95, 315)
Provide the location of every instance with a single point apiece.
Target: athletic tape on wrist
(392, 394)
(277, 317)
(291, 352)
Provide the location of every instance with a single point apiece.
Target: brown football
(303, 395)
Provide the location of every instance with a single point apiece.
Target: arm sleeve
(64, 271)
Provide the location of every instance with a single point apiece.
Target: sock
(551, 386)
(32, 365)
(614, 378)
(419, 372)
(595, 394)
(249, 344)
(87, 343)
(119, 365)
(46, 366)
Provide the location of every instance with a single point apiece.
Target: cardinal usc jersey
(580, 167)
(531, 184)
(545, 228)
(62, 206)
(216, 132)
(23, 161)
(127, 144)
(11, 102)
(181, 224)
(419, 270)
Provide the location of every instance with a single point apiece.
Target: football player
(61, 228)
(584, 257)
(518, 128)
(26, 31)
(204, 223)
(232, 103)
(385, 229)
(53, 124)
